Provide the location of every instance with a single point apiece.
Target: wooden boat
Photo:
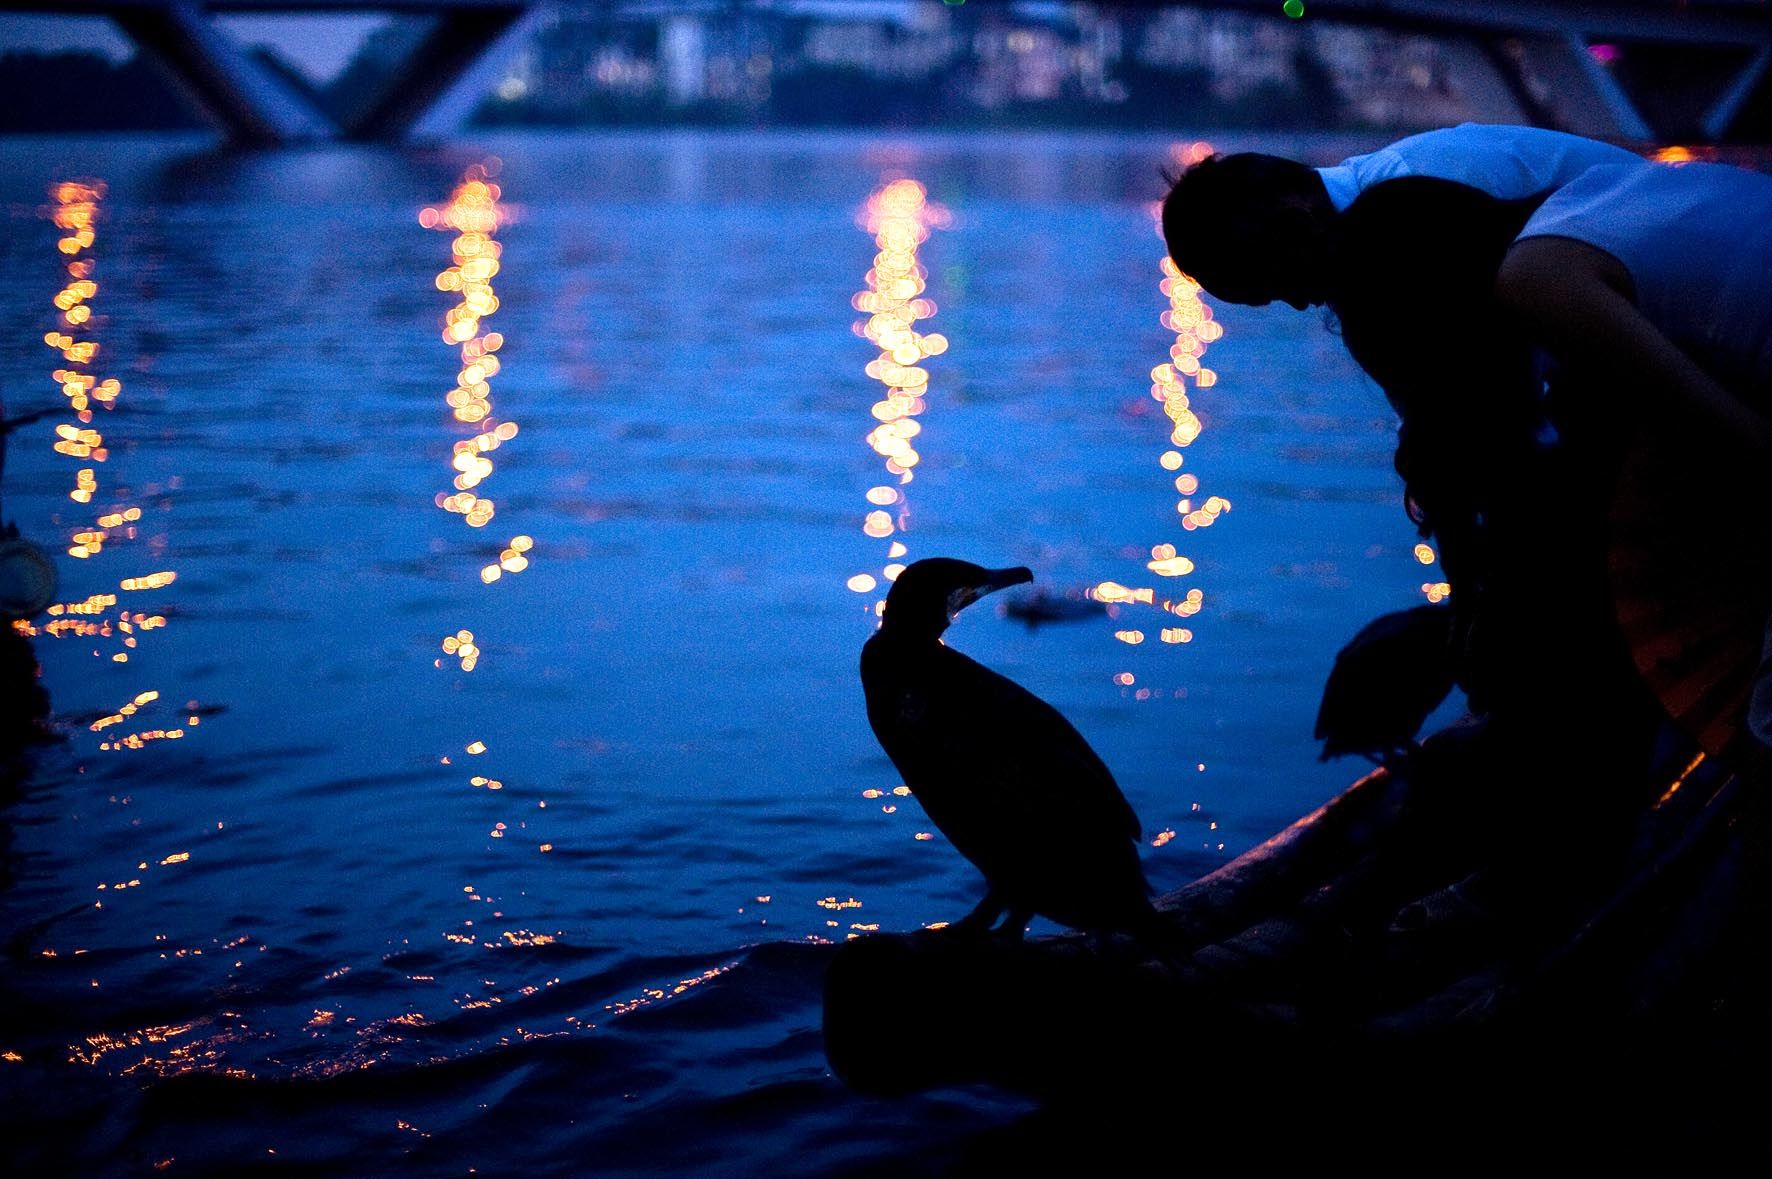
(1376, 951)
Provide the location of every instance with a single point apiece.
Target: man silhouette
(1253, 228)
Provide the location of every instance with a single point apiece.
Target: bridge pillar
(1559, 84)
(1722, 113)
(252, 104)
(1622, 112)
(446, 75)
(1507, 56)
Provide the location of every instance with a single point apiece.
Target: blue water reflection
(320, 876)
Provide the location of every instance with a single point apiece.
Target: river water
(308, 884)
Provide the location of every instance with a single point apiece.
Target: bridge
(1546, 52)
(432, 91)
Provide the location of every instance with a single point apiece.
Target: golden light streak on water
(1170, 567)
(461, 645)
(1191, 320)
(139, 740)
(1113, 593)
(475, 215)
(75, 211)
(1434, 591)
(95, 604)
(900, 215)
(652, 995)
(128, 710)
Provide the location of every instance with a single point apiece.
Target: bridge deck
(467, 36)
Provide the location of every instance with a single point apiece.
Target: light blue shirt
(1697, 241)
(1505, 162)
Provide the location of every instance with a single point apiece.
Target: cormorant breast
(1003, 774)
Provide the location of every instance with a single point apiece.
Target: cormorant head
(930, 592)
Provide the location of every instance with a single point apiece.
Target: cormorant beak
(994, 580)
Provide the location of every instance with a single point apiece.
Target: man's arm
(1579, 299)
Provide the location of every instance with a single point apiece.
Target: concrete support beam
(440, 82)
(450, 110)
(251, 103)
(1507, 57)
(1559, 85)
(1488, 85)
(1619, 107)
(1721, 115)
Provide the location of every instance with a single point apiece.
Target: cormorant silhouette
(1003, 774)
(1385, 682)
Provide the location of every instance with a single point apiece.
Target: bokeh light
(475, 214)
(75, 210)
(900, 215)
(1191, 320)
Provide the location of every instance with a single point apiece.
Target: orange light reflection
(1191, 319)
(900, 215)
(474, 215)
(75, 210)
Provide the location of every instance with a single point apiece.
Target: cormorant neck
(914, 627)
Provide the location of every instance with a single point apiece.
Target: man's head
(1251, 228)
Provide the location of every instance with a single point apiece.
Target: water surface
(298, 889)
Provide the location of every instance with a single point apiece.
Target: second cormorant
(1003, 774)
(1385, 684)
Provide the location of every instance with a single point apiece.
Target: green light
(1293, 8)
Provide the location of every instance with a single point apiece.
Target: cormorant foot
(973, 925)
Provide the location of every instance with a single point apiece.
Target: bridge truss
(1543, 51)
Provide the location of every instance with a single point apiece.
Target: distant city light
(861, 63)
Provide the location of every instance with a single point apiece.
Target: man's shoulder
(1467, 134)
(1511, 138)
